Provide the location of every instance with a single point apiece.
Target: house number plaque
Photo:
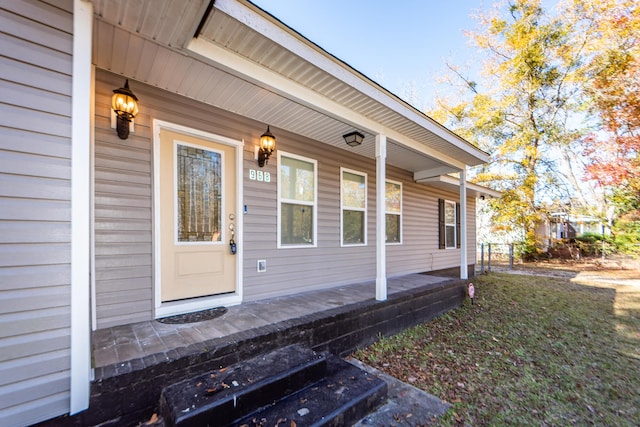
(259, 175)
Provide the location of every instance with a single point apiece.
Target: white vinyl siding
(353, 203)
(35, 197)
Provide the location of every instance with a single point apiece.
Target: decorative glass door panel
(199, 195)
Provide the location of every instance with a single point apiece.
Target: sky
(399, 44)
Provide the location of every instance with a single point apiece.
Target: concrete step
(218, 398)
(292, 384)
(341, 399)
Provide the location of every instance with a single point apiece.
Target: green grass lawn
(531, 351)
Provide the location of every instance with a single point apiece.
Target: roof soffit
(168, 22)
(235, 64)
(154, 37)
(273, 45)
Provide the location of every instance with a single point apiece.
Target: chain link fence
(489, 253)
(510, 253)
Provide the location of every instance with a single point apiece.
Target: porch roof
(236, 56)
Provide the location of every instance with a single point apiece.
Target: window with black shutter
(448, 224)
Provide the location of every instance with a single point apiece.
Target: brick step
(219, 398)
(344, 397)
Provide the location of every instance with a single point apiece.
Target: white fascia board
(256, 19)
(483, 191)
(248, 70)
(427, 174)
(452, 181)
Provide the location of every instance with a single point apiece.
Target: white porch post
(464, 274)
(81, 207)
(381, 245)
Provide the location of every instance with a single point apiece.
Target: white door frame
(195, 304)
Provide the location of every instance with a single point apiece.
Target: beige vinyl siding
(124, 210)
(291, 270)
(419, 251)
(123, 216)
(35, 209)
(124, 261)
(472, 243)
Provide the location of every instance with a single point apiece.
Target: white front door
(197, 215)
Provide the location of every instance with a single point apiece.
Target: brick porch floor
(120, 344)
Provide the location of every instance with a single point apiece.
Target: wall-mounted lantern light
(267, 145)
(353, 139)
(125, 104)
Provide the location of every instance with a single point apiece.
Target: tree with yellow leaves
(520, 111)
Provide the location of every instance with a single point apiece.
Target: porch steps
(291, 386)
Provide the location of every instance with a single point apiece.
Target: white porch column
(464, 274)
(81, 108)
(381, 245)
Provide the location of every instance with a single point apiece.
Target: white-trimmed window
(353, 204)
(449, 224)
(297, 200)
(393, 211)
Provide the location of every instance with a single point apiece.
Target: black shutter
(441, 230)
(457, 225)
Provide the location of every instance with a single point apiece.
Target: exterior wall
(303, 269)
(35, 209)
(124, 190)
(123, 214)
(419, 251)
(291, 270)
(123, 211)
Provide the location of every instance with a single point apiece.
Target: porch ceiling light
(353, 139)
(125, 105)
(267, 145)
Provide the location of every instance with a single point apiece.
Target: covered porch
(201, 65)
(134, 362)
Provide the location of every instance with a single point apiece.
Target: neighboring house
(98, 231)
(558, 226)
